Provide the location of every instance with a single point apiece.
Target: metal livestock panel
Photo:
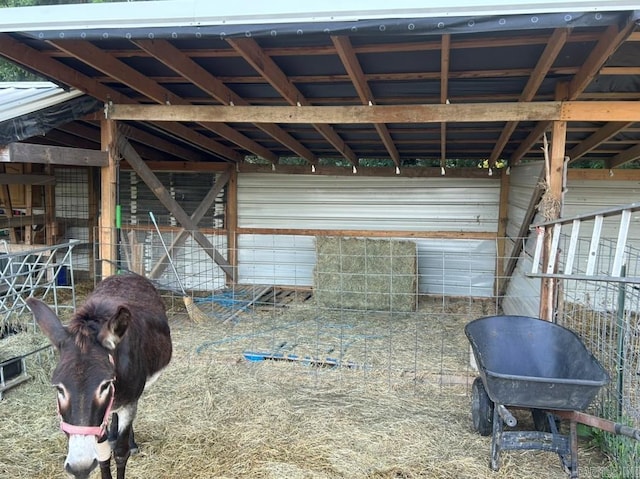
(445, 267)
(581, 196)
(367, 203)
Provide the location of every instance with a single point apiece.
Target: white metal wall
(450, 267)
(581, 196)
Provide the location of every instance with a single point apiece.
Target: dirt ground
(395, 404)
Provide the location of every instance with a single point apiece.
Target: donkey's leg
(103, 448)
(105, 469)
(121, 449)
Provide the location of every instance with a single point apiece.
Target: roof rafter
(352, 65)
(624, 157)
(100, 60)
(603, 134)
(555, 44)
(46, 66)
(608, 42)
(263, 64)
(172, 57)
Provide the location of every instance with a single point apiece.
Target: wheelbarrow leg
(496, 440)
(573, 438)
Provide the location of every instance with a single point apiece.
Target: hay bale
(365, 274)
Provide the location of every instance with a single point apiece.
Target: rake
(193, 311)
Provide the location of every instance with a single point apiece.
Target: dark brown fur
(120, 332)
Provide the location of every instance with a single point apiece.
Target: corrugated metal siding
(451, 267)
(366, 203)
(582, 196)
(187, 188)
(445, 267)
(20, 98)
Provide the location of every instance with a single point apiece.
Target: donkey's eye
(104, 388)
(62, 394)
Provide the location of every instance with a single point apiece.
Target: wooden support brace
(155, 185)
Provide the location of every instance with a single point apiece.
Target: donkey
(114, 345)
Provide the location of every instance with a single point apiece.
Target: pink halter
(97, 431)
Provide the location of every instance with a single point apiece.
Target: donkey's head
(84, 378)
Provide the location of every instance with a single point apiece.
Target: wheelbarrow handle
(627, 431)
(600, 423)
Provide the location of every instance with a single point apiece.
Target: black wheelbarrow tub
(528, 362)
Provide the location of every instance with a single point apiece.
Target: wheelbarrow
(528, 363)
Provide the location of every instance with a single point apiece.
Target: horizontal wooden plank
(470, 112)
(377, 114)
(600, 111)
(477, 235)
(52, 155)
(21, 220)
(379, 171)
(26, 179)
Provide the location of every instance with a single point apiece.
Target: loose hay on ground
(214, 415)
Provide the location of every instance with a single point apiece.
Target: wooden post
(50, 226)
(28, 203)
(93, 221)
(555, 177)
(503, 219)
(231, 220)
(551, 202)
(108, 188)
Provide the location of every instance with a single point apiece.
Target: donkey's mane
(88, 320)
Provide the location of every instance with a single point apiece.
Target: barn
(344, 186)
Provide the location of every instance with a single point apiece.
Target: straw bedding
(215, 415)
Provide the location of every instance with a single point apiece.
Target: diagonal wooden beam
(601, 135)
(155, 185)
(627, 156)
(354, 70)
(555, 44)
(51, 68)
(110, 65)
(608, 42)
(267, 68)
(178, 61)
(196, 216)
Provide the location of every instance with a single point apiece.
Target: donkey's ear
(48, 322)
(113, 330)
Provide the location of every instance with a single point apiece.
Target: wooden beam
(624, 111)
(469, 112)
(175, 59)
(105, 62)
(108, 191)
(231, 219)
(445, 61)
(600, 136)
(196, 216)
(357, 77)
(556, 42)
(627, 156)
(51, 68)
(26, 179)
(270, 71)
(554, 193)
(156, 186)
(22, 220)
(7, 205)
(51, 155)
(607, 43)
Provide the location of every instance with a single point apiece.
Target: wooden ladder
(615, 271)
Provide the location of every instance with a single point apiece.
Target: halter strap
(97, 431)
